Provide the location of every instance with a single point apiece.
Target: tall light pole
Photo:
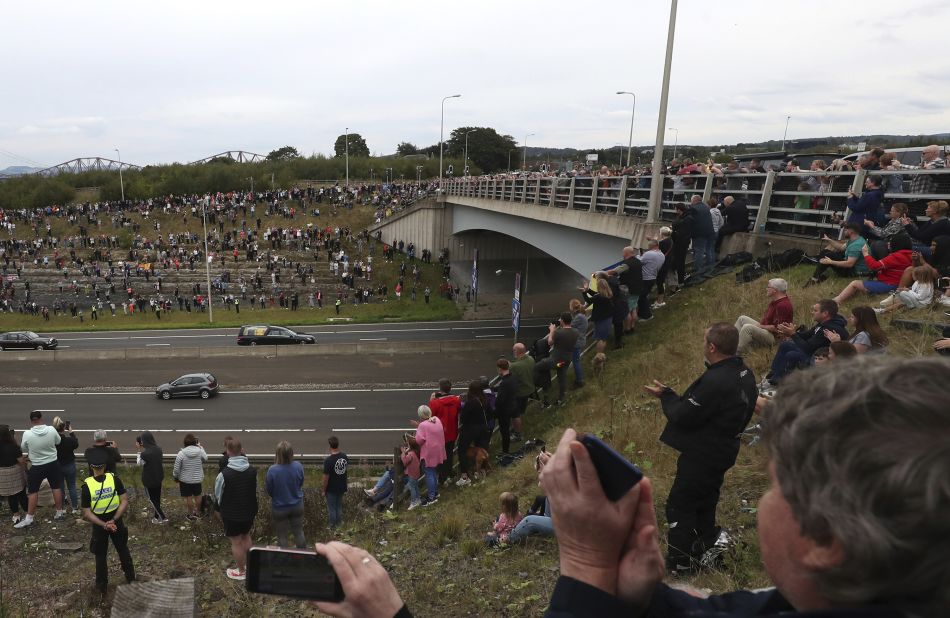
(441, 130)
(656, 184)
(676, 140)
(251, 178)
(784, 135)
(122, 184)
(633, 114)
(204, 223)
(524, 158)
(465, 162)
(509, 159)
(346, 149)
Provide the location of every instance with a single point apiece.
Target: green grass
(436, 555)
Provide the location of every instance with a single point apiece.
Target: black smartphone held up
(292, 573)
(617, 475)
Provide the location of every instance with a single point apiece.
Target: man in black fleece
(153, 473)
(802, 343)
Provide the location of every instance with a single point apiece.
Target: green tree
(283, 154)
(406, 148)
(487, 149)
(358, 147)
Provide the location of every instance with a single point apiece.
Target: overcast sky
(178, 81)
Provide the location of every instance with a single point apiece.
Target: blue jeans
(788, 357)
(384, 487)
(335, 509)
(531, 525)
(69, 477)
(578, 370)
(704, 255)
(413, 484)
(432, 483)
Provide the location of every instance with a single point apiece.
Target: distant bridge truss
(238, 156)
(87, 164)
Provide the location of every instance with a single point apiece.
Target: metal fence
(780, 202)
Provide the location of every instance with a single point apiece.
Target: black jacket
(633, 276)
(239, 498)
(153, 472)
(708, 418)
(682, 232)
(68, 443)
(737, 215)
(575, 599)
(810, 340)
(506, 397)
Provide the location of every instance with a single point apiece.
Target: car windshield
(31, 334)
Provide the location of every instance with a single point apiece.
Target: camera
(292, 572)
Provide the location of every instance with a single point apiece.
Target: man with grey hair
(929, 160)
(102, 443)
(763, 332)
(854, 522)
(652, 260)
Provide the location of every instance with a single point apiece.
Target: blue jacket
(575, 599)
(284, 484)
(702, 221)
(868, 206)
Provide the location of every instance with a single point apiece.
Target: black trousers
(155, 497)
(18, 501)
(470, 435)
(643, 301)
(691, 510)
(445, 468)
(99, 546)
(679, 261)
(542, 376)
(504, 428)
(834, 255)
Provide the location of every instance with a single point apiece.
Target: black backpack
(749, 273)
(735, 259)
(780, 261)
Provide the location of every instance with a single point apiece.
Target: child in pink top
(506, 521)
(410, 461)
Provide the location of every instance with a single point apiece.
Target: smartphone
(293, 573)
(617, 475)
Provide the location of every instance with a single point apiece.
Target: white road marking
(149, 345)
(49, 410)
(374, 339)
(62, 347)
(351, 408)
(368, 430)
(152, 393)
(485, 336)
(188, 409)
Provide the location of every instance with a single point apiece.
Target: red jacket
(890, 269)
(779, 312)
(446, 409)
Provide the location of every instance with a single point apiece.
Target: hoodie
(39, 444)
(810, 340)
(188, 468)
(235, 490)
(150, 458)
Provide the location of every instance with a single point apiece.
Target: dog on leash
(599, 363)
(478, 457)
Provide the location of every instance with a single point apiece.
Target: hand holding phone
(617, 475)
(293, 573)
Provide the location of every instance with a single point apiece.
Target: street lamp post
(656, 183)
(121, 183)
(509, 159)
(441, 130)
(633, 114)
(784, 135)
(676, 140)
(465, 162)
(204, 223)
(524, 158)
(251, 178)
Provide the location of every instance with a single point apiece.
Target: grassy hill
(436, 555)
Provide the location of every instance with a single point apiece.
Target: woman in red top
(889, 270)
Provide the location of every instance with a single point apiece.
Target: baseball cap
(97, 457)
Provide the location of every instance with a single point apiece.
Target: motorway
(368, 421)
(337, 333)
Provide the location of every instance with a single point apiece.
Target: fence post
(708, 188)
(537, 192)
(857, 187)
(570, 195)
(762, 216)
(622, 198)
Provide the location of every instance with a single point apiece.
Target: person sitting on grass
(537, 521)
(820, 356)
(919, 296)
(801, 344)
(868, 336)
(779, 311)
(888, 270)
(506, 520)
(843, 258)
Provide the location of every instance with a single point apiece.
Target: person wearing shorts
(39, 446)
(235, 490)
(189, 472)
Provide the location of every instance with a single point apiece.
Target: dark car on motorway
(26, 340)
(202, 385)
(271, 335)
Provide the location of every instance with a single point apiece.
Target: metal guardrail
(772, 197)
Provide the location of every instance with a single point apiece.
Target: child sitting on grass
(506, 521)
(920, 294)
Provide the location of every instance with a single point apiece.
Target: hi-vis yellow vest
(102, 495)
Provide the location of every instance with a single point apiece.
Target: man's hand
(864, 250)
(868, 223)
(826, 261)
(942, 344)
(367, 589)
(831, 335)
(786, 328)
(657, 389)
(588, 526)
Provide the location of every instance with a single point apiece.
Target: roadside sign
(518, 286)
(515, 314)
(592, 158)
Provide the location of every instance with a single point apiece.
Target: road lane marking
(350, 408)
(188, 409)
(484, 336)
(149, 345)
(62, 347)
(367, 430)
(152, 393)
(49, 410)
(374, 339)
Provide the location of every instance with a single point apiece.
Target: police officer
(704, 424)
(104, 501)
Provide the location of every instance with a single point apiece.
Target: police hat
(98, 458)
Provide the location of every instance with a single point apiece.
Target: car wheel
(205, 393)
(166, 395)
(301, 342)
(253, 343)
(36, 347)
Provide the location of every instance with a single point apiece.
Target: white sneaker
(60, 515)
(26, 521)
(463, 482)
(415, 504)
(878, 310)
(16, 519)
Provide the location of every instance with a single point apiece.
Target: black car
(202, 385)
(26, 340)
(271, 335)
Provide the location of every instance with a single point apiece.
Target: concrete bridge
(562, 229)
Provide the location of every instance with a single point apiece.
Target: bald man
(522, 368)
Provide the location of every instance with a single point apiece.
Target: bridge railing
(781, 202)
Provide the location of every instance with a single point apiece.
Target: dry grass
(436, 555)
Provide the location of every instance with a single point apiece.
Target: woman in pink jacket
(431, 439)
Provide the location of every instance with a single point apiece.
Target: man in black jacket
(736, 212)
(704, 424)
(796, 351)
(506, 401)
(853, 525)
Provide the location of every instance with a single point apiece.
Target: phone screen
(293, 573)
